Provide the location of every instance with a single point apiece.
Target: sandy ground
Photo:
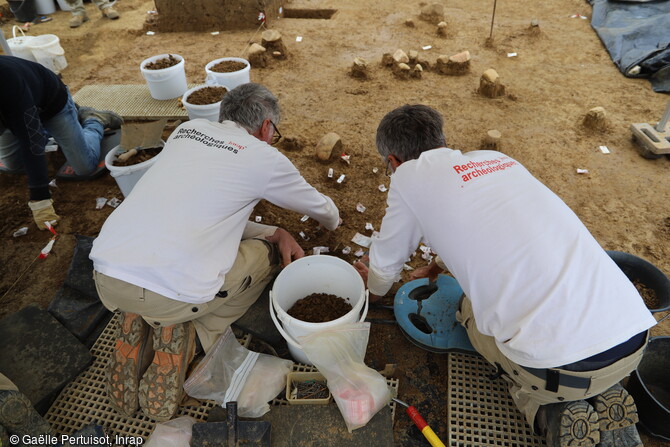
(559, 74)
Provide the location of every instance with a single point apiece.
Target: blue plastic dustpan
(438, 331)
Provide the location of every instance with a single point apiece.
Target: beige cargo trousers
(254, 267)
(530, 392)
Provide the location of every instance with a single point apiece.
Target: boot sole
(124, 370)
(616, 409)
(578, 426)
(19, 417)
(162, 387)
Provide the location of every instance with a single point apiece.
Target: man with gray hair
(543, 301)
(179, 256)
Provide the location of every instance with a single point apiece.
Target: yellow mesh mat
(132, 102)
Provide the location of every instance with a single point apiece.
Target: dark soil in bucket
(207, 95)
(319, 308)
(166, 62)
(228, 66)
(648, 295)
(142, 155)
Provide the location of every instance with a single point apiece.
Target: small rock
(328, 145)
(442, 29)
(490, 75)
(257, 55)
(596, 119)
(425, 64)
(417, 71)
(490, 85)
(492, 140)
(457, 64)
(534, 23)
(400, 57)
(387, 60)
(410, 23)
(272, 41)
(271, 35)
(413, 55)
(359, 69)
(433, 13)
(402, 71)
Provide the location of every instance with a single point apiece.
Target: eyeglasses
(276, 136)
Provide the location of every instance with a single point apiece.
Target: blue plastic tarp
(636, 34)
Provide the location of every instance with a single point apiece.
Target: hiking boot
(77, 20)
(570, 424)
(4, 438)
(19, 417)
(617, 416)
(132, 355)
(109, 120)
(162, 386)
(110, 13)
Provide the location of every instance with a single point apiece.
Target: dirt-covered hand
(429, 271)
(43, 211)
(288, 247)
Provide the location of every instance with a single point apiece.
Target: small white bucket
(45, 7)
(48, 52)
(166, 83)
(19, 45)
(315, 274)
(207, 111)
(228, 80)
(63, 5)
(126, 176)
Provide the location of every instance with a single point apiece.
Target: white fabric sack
(359, 391)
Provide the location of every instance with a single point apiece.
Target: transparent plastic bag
(174, 433)
(359, 391)
(231, 372)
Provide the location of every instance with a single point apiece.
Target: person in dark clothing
(34, 105)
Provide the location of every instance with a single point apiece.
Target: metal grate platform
(84, 401)
(132, 102)
(480, 411)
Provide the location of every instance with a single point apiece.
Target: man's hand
(363, 270)
(288, 247)
(429, 271)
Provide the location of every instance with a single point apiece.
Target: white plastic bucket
(166, 83)
(63, 5)
(19, 45)
(48, 52)
(228, 80)
(315, 274)
(207, 111)
(126, 176)
(45, 6)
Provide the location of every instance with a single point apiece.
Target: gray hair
(249, 105)
(408, 131)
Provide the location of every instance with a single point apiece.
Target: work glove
(43, 211)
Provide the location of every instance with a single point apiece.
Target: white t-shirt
(539, 283)
(178, 232)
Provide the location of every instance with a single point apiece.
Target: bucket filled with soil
(204, 101)
(650, 282)
(228, 72)
(165, 76)
(313, 294)
(128, 172)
